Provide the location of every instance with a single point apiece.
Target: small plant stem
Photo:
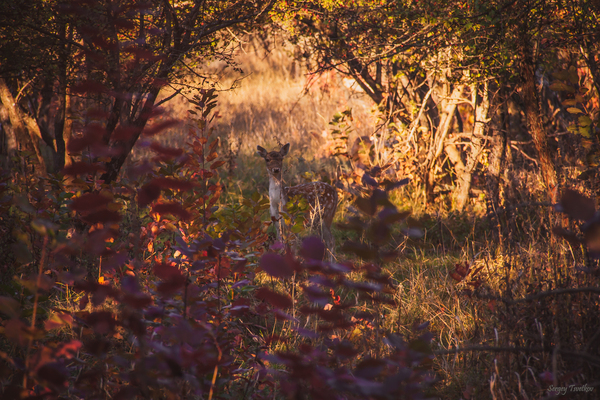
(185, 294)
(35, 304)
(216, 371)
(294, 295)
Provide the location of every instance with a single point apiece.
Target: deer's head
(274, 159)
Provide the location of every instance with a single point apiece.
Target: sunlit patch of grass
(276, 102)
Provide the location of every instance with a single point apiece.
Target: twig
(415, 122)
(177, 91)
(524, 154)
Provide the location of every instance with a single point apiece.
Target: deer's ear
(284, 150)
(261, 151)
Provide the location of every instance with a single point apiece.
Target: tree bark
(498, 155)
(8, 140)
(114, 165)
(26, 138)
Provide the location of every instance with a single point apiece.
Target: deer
(322, 197)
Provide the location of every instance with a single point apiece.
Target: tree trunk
(114, 165)
(534, 119)
(497, 157)
(8, 140)
(436, 148)
(26, 138)
(481, 120)
(62, 121)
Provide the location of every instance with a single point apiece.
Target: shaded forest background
(140, 259)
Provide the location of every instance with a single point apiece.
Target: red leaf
(57, 320)
(239, 266)
(89, 86)
(165, 271)
(313, 248)
(172, 208)
(172, 277)
(275, 265)
(147, 194)
(462, 269)
(16, 331)
(223, 270)
(137, 300)
(217, 164)
(10, 307)
(456, 277)
(78, 144)
(54, 373)
(567, 235)
(282, 316)
(125, 132)
(315, 294)
(171, 286)
(102, 216)
(369, 368)
(82, 168)
(103, 322)
(89, 202)
(592, 239)
(174, 184)
(161, 126)
(277, 300)
(69, 349)
(577, 206)
(170, 152)
(239, 307)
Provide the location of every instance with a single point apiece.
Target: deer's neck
(277, 192)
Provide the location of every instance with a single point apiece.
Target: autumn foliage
(147, 277)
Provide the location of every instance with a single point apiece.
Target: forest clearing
(268, 199)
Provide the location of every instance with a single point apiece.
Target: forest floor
(273, 101)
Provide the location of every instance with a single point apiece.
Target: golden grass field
(273, 100)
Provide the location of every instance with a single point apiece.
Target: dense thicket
(460, 81)
(161, 283)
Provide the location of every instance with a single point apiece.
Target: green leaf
(43, 227)
(562, 87)
(297, 228)
(574, 110)
(573, 77)
(570, 102)
(10, 307)
(584, 120)
(585, 131)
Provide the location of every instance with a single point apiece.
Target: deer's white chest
(276, 197)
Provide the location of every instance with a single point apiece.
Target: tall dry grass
(274, 100)
(268, 97)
